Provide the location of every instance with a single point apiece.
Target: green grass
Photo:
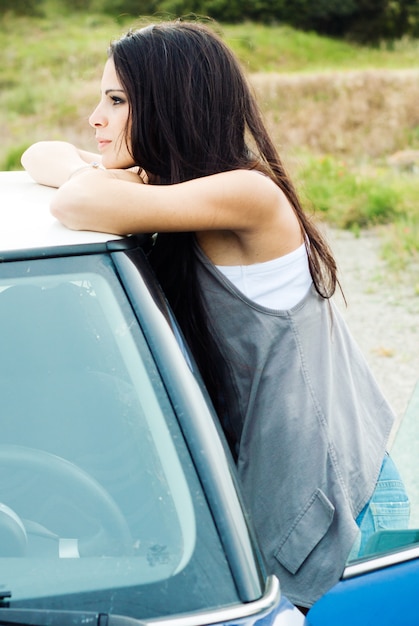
(283, 49)
(350, 196)
(48, 48)
(401, 246)
(364, 195)
(82, 39)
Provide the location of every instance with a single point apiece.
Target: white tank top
(278, 284)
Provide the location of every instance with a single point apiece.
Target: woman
(250, 278)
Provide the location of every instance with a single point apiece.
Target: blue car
(119, 503)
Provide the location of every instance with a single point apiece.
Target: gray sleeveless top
(310, 425)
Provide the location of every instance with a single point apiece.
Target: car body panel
(385, 596)
(26, 220)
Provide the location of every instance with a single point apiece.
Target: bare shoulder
(261, 196)
(250, 191)
(245, 181)
(262, 223)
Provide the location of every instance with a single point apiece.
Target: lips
(102, 143)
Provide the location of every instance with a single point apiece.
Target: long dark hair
(192, 115)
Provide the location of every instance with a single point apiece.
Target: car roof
(26, 221)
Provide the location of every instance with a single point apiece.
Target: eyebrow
(111, 90)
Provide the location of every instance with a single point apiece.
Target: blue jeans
(388, 508)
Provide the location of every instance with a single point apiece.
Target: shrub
(21, 7)
(128, 7)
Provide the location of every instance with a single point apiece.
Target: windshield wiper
(45, 617)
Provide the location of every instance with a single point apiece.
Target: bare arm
(109, 202)
(243, 203)
(52, 162)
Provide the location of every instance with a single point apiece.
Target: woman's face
(110, 120)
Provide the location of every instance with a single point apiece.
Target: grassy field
(338, 112)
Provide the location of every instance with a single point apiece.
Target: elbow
(63, 215)
(32, 154)
(76, 207)
(29, 157)
(67, 211)
(80, 204)
(57, 212)
(34, 161)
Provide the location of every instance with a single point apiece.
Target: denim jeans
(388, 508)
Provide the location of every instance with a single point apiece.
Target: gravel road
(382, 314)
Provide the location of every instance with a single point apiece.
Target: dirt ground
(382, 314)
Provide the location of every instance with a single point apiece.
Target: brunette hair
(193, 114)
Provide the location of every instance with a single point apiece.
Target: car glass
(404, 450)
(100, 505)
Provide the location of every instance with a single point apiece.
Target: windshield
(100, 506)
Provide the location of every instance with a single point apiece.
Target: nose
(97, 119)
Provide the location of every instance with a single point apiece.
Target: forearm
(51, 163)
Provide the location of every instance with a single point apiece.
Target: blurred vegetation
(337, 110)
(365, 21)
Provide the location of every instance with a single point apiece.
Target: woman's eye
(117, 100)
